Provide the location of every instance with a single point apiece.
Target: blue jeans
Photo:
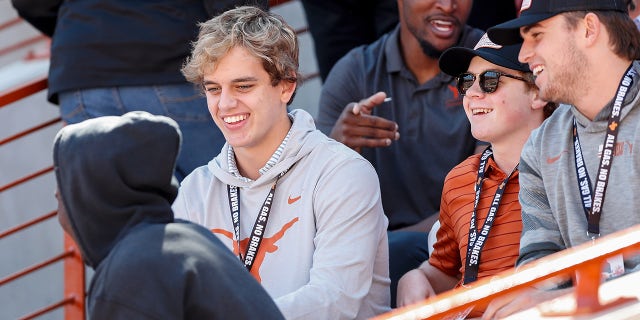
(201, 138)
(407, 251)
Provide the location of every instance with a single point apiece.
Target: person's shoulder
(203, 174)
(158, 251)
(191, 236)
(336, 150)
(180, 238)
(551, 138)
(317, 146)
(378, 44)
(135, 251)
(369, 51)
(560, 120)
(338, 155)
(339, 159)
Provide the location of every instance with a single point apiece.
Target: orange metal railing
(73, 300)
(584, 263)
(24, 42)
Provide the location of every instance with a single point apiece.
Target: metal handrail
(74, 283)
(10, 23)
(66, 301)
(37, 266)
(22, 91)
(28, 224)
(583, 262)
(23, 44)
(26, 178)
(30, 130)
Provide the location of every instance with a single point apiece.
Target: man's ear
(537, 103)
(288, 89)
(592, 28)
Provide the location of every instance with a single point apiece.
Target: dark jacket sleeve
(216, 7)
(39, 13)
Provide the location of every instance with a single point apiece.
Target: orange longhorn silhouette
(267, 245)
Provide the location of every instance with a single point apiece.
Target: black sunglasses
(488, 81)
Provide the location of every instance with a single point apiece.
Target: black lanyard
(592, 201)
(259, 226)
(477, 242)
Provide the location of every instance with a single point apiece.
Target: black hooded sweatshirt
(97, 43)
(115, 179)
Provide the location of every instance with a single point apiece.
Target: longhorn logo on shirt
(268, 245)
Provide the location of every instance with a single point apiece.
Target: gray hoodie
(324, 252)
(553, 218)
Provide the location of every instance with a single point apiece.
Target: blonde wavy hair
(264, 34)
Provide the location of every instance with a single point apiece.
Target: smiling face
(436, 25)
(248, 109)
(551, 51)
(504, 114)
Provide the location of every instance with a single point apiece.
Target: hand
(413, 287)
(357, 128)
(521, 300)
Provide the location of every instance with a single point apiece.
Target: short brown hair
(623, 32)
(264, 34)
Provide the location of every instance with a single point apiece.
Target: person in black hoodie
(115, 189)
(112, 57)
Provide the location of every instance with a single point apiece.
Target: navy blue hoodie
(115, 180)
(97, 43)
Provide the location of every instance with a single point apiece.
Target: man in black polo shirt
(417, 137)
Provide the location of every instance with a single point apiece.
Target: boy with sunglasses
(480, 221)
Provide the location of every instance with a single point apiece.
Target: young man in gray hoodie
(583, 55)
(301, 211)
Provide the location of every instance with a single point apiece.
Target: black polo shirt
(434, 131)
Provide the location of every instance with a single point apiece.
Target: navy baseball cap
(456, 60)
(534, 11)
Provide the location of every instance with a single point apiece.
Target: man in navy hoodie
(115, 189)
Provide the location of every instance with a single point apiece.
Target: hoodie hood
(114, 173)
(304, 137)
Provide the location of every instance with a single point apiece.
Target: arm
(42, 15)
(540, 230)
(424, 282)
(351, 255)
(422, 226)
(442, 271)
(540, 236)
(519, 301)
(345, 108)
